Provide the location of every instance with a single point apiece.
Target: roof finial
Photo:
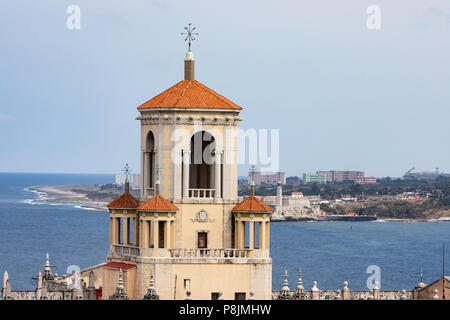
(48, 275)
(151, 291)
(158, 182)
(189, 35)
(126, 171)
(252, 182)
(120, 293)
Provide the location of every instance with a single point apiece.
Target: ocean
(328, 252)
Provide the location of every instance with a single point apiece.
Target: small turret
(120, 293)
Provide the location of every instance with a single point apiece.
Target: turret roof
(125, 201)
(252, 204)
(190, 94)
(158, 204)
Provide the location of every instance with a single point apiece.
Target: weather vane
(126, 171)
(189, 34)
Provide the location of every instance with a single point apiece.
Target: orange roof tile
(158, 203)
(252, 204)
(125, 201)
(190, 94)
(119, 265)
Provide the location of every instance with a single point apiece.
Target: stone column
(241, 234)
(267, 234)
(135, 231)
(167, 227)
(186, 160)
(155, 231)
(126, 230)
(116, 231)
(251, 235)
(146, 172)
(141, 233)
(145, 234)
(217, 175)
(111, 230)
(236, 234)
(262, 235)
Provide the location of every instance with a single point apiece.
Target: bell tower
(188, 227)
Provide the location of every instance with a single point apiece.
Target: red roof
(158, 203)
(125, 201)
(119, 265)
(190, 94)
(252, 204)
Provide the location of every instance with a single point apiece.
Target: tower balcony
(201, 193)
(132, 253)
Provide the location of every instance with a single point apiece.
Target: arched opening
(149, 165)
(204, 166)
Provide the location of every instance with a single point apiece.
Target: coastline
(79, 197)
(66, 195)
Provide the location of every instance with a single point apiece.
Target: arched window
(203, 174)
(201, 171)
(149, 165)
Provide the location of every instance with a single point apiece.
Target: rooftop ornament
(190, 35)
(120, 293)
(151, 291)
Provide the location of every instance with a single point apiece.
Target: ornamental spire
(252, 182)
(126, 171)
(120, 293)
(48, 275)
(151, 291)
(189, 61)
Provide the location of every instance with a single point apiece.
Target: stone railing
(351, 295)
(124, 250)
(119, 250)
(209, 253)
(201, 193)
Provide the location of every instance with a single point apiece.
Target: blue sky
(343, 96)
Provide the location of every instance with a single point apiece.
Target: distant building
(366, 180)
(318, 177)
(135, 180)
(339, 176)
(272, 178)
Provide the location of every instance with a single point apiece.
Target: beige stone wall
(111, 278)
(205, 278)
(427, 293)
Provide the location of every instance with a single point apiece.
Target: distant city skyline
(344, 97)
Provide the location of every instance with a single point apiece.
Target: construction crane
(410, 170)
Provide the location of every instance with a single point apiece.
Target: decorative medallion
(202, 216)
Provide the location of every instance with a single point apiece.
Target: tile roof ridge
(184, 92)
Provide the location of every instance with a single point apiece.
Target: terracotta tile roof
(158, 203)
(190, 94)
(252, 204)
(119, 265)
(125, 201)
